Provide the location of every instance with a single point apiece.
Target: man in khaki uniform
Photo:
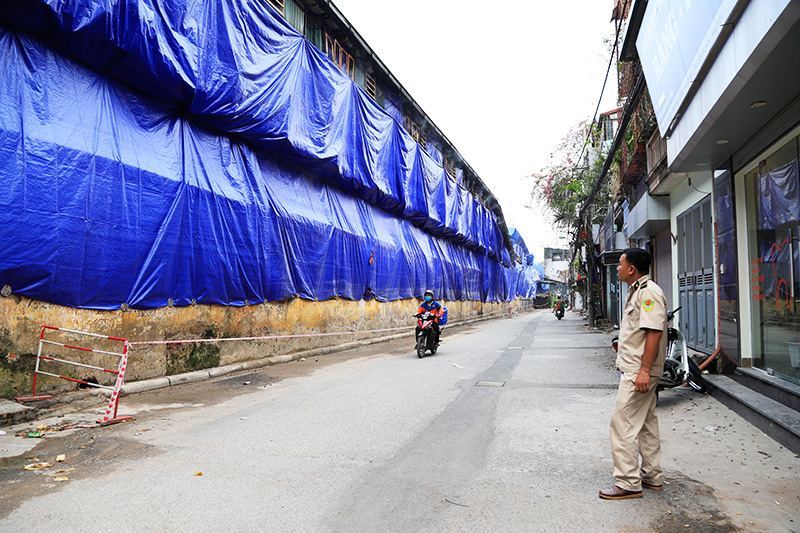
(642, 348)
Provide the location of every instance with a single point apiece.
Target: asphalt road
(505, 429)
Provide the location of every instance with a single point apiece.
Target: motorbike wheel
(694, 378)
(421, 340)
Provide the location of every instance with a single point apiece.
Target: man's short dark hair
(640, 259)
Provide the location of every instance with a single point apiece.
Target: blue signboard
(674, 41)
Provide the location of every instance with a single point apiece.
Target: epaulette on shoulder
(643, 285)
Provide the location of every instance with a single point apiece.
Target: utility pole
(571, 277)
(589, 266)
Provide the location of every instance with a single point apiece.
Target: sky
(505, 84)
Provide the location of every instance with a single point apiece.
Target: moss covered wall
(21, 320)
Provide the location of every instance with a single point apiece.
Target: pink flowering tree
(563, 188)
(564, 185)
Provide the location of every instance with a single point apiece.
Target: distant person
(558, 308)
(642, 349)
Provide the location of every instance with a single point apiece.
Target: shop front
(769, 280)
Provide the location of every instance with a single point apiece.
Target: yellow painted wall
(21, 320)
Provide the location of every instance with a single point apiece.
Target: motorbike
(560, 313)
(426, 337)
(679, 369)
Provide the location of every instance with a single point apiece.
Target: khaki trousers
(634, 433)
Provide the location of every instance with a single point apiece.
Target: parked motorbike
(427, 340)
(679, 369)
(678, 366)
(560, 313)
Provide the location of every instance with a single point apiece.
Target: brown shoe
(617, 493)
(651, 487)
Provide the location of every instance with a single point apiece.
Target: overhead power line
(627, 112)
(603, 89)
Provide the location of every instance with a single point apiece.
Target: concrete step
(14, 413)
(770, 386)
(775, 419)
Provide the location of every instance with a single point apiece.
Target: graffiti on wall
(782, 289)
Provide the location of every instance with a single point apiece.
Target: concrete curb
(145, 385)
(12, 413)
(142, 386)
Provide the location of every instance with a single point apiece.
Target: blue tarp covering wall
(206, 151)
(523, 277)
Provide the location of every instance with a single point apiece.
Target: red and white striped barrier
(119, 372)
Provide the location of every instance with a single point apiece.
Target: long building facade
(709, 184)
(173, 169)
(730, 118)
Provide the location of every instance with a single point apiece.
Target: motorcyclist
(559, 306)
(429, 305)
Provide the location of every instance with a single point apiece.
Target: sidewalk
(721, 472)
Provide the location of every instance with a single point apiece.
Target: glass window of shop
(773, 221)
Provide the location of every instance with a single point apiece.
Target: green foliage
(564, 186)
(630, 140)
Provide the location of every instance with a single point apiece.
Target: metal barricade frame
(113, 403)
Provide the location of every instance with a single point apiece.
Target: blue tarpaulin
(208, 152)
(779, 200)
(522, 278)
(240, 68)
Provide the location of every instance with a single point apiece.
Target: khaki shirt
(645, 308)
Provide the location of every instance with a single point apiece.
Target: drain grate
(490, 383)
